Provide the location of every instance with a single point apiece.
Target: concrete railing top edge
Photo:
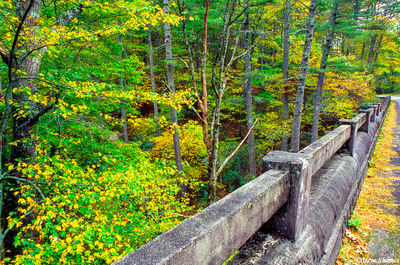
(324, 148)
(178, 245)
(357, 121)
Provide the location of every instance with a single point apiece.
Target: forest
(120, 119)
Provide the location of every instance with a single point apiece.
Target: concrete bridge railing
(305, 198)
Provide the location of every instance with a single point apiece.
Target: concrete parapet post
(356, 123)
(349, 146)
(369, 112)
(291, 220)
(386, 103)
(374, 112)
(378, 108)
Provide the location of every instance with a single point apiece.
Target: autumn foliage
(87, 158)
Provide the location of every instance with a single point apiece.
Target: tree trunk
(125, 123)
(219, 91)
(295, 144)
(153, 80)
(285, 72)
(212, 161)
(362, 51)
(28, 113)
(321, 76)
(373, 39)
(171, 86)
(122, 107)
(378, 47)
(247, 89)
(372, 50)
(375, 58)
(204, 100)
(23, 125)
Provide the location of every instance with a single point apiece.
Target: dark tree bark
(321, 77)
(29, 63)
(373, 40)
(378, 47)
(153, 80)
(171, 86)
(23, 126)
(122, 107)
(372, 50)
(295, 144)
(285, 71)
(125, 123)
(247, 88)
(362, 52)
(204, 100)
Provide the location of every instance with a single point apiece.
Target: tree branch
(43, 111)
(15, 41)
(28, 181)
(235, 151)
(306, 6)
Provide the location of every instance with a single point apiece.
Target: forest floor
(373, 234)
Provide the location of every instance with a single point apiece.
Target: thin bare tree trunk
(295, 144)
(321, 76)
(378, 47)
(372, 50)
(122, 107)
(362, 51)
(247, 89)
(204, 100)
(125, 123)
(373, 40)
(285, 71)
(153, 80)
(219, 91)
(171, 86)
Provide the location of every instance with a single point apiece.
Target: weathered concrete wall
(211, 236)
(334, 193)
(301, 203)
